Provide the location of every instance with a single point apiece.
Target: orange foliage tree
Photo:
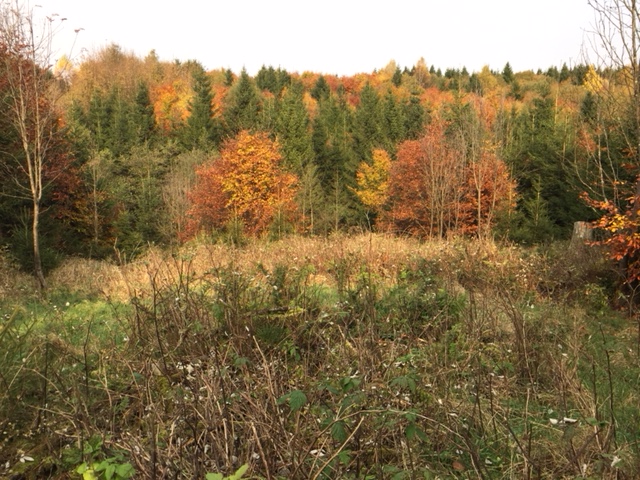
(170, 101)
(246, 183)
(489, 191)
(434, 189)
(622, 228)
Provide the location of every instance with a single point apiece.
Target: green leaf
(399, 476)
(412, 431)
(296, 398)
(240, 472)
(125, 470)
(109, 471)
(339, 431)
(214, 476)
(240, 361)
(405, 382)
(89, 474)
(411, 416)
(344, 457)
(83, 467)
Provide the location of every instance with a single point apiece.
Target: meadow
(352, 357)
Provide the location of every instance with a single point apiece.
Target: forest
(152, 153)
(412, 273)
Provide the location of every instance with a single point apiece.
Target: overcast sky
(332, 36)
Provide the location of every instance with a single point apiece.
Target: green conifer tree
(243, 105)
(367, 123)
(507, 73)
(143, 116)
(321, 89)
(202, 130)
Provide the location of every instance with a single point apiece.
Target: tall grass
(362, 357)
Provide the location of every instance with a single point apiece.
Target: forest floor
(362, 357)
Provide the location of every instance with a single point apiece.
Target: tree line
(138, 151)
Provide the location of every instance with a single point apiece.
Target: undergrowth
(364, 358)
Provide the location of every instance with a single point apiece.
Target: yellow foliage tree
(247, 184)
(373, 181)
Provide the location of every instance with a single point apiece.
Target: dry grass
(382, 255)
(449, 358)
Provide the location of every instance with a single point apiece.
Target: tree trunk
(37, 261)
(582, 232)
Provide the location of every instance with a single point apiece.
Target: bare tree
(30, 104)
(615, 43)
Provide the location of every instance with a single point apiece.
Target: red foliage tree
(435, 190)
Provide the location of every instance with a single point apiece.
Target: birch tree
(29, 101)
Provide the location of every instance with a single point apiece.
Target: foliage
(202, 129)
(435, 191)
(245, 183)
(114, 467)
(622, 238)
(242, 106)
(373, 181)
(236, 476)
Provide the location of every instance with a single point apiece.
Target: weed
(308, 358)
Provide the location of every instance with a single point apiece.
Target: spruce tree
(397, 77)
(293, 129)
(507, 73)
(242, 105)
(143, 116)
(321, 89)
(393, 120)
(415, 117)
(201, 130)
(367, 121)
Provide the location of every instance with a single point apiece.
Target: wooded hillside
(139, 151)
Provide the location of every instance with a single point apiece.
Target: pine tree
(266, 79)
(201, 130)
(336, 165)
(537, 155)
(415, 117)
(507, 73)
(367, 121)
(397, 77)
(393, 120)
(321, 89)
(143, 116)
(292, 127)
(242, 106)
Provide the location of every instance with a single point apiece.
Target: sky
(342, 37)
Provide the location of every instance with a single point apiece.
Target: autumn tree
(436, 188)
(488, 189)
(424, 185)
(30, 102)
(372, 181)
(614, 108)
(246, 183)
